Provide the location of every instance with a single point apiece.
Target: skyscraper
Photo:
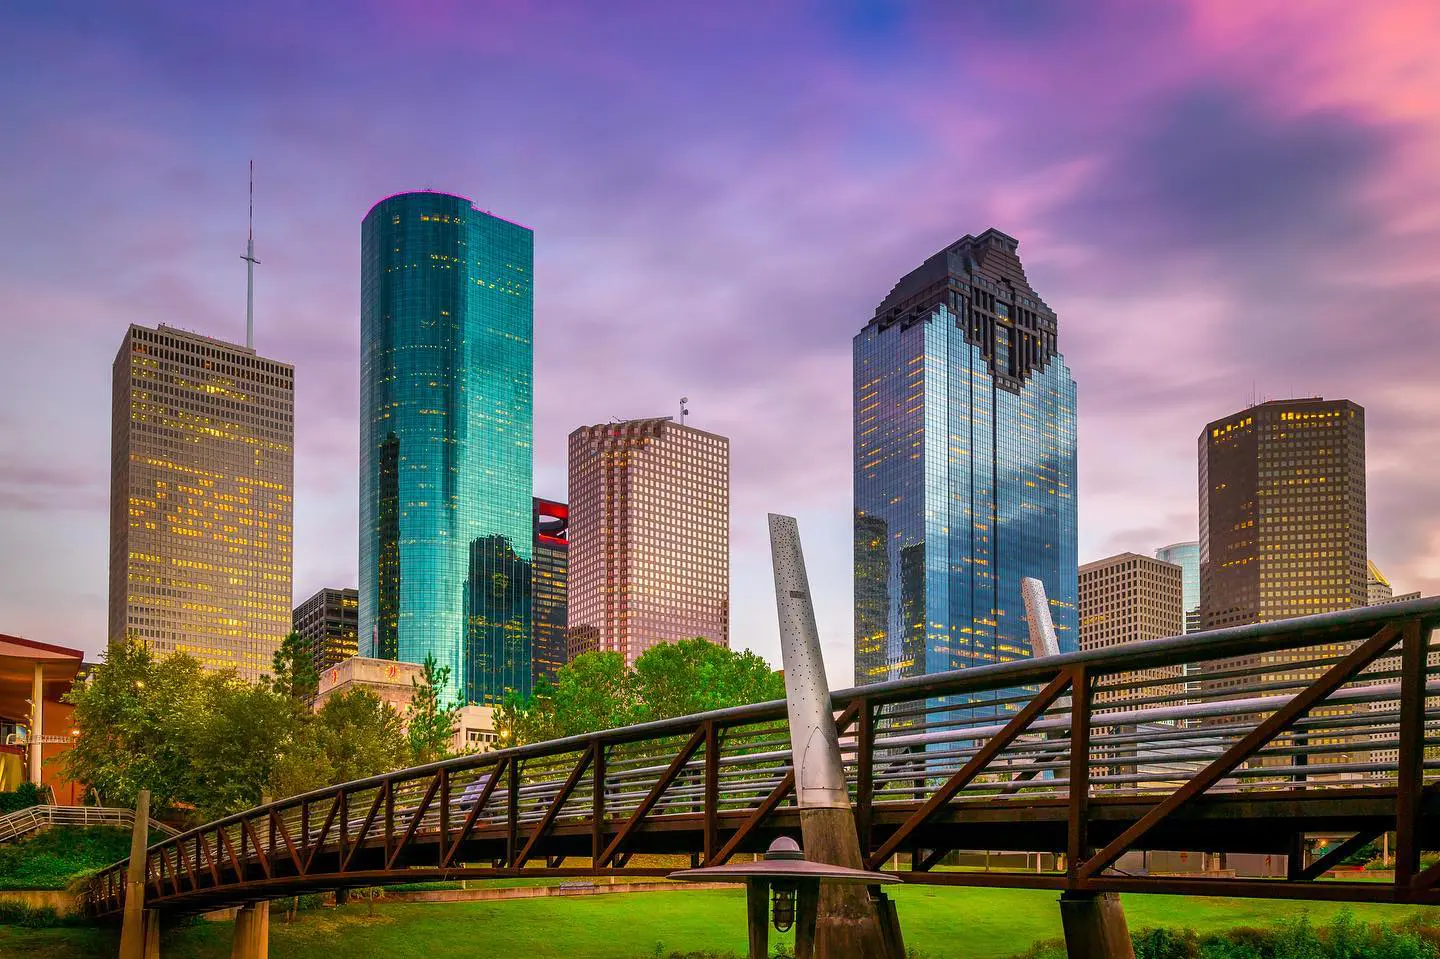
(964, 466)
(328, 623)
(201, 498)
(446, 316)
(549, 576)
(1187, 557)
(649, 535)
(1282, 512)
(1127, 599)
(1378, 590)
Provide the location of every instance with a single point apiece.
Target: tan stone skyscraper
(201, 498)
(649, 535)
(1127, 599)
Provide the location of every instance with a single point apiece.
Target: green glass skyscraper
(446, 374)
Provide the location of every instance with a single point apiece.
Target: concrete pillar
(132, 932)
(757, 903)
(1095, 926)
(248, 934)
(848, 923)
(262, 930)
(37, 721)
(152, 934)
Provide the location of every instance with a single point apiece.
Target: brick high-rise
(649, 535)
(201, 498)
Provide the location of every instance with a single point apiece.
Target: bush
(15, 914)
(25, 795)
(51, 859)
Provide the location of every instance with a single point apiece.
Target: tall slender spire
(250, 262)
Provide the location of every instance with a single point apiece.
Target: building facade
(393, 683)
(649, 536)
(1377, 588)
(202, 480)
(446, 372)
(1127, 599)
(549, 579)
(328, 622)
(1282, 512)
(964, 470)
(1187, 557)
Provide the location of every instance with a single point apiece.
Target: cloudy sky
(1222, 199)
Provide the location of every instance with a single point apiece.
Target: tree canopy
(596, 691)
(216, 744)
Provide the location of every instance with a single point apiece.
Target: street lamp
(794, 882)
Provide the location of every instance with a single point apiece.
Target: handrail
(1145, 731)
(37, 817)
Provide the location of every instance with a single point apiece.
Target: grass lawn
(52, 857)
(940, 923)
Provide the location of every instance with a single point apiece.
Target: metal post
(37, 721)
(848, 923)
(132, 932)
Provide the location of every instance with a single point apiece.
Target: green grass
(52, 857)
(939, 923)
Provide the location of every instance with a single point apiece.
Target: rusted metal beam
(364, 829)
(474, 814)
(930, 861)
(597, 802)
(248, 828)
(409, 832)
(653, 796)
(543, 827)
(1335, 856)
(1280, 720)
(1077, 825)
(864, 773)
(711, 838)
(512, 812)
(278, 826)
(1410, 773)
(973, 768)
(319, 841)
(229, 847)
(759, 815)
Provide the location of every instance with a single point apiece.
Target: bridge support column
(1095, 926)
(252, 932)
(132, 932)
(152, 934)
(848, 923)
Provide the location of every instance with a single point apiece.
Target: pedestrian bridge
(1243, 740)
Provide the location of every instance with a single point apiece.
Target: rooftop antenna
(683, 411)
(250, 262)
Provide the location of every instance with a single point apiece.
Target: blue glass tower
(446, 372)
(964, 467)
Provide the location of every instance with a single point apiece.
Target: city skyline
(1155, 213)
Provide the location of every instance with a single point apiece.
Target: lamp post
(783, 888)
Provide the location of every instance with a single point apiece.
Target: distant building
(394, 683)
(1127, 599)
(1377, 587)
(202, 476)
(549, 572)
(964, 466)
(35, 731)
(1282, 512)
(328, 623)
(1187, 557)
(649, 534)
(580, 640)
(446, 393)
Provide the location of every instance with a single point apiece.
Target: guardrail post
(1410, 775)
(1076, 846)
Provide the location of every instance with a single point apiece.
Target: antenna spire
(250, 262)
(683, 409)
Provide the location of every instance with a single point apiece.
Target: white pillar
(37, 724)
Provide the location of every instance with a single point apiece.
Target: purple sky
(1221, 200)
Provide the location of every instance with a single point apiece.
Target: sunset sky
(1222, 200)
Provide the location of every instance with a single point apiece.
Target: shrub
(25, 795)
(53, 858)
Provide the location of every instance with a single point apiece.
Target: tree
(237, 746)
(430, 725)
(696, 676)
(138, 718)
(293, 671)
(353, 736)
(596, 691)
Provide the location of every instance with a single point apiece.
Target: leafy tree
(294, 675)
(696, 675)
(595, 691)
(237, 746)
(138, 719)
(430, 725)
(354, 735)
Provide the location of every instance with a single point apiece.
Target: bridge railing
(1087, 755)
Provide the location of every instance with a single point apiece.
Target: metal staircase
(22, 822)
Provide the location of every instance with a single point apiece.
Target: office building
(964, 469)
(446, 318)
(201, 509)
(328, 623)
(548, 577)
(649, 536)
(1127, 599)
(1377, 587)
(1282, 512)
(1187, 557)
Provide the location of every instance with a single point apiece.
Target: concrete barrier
(61, 901)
